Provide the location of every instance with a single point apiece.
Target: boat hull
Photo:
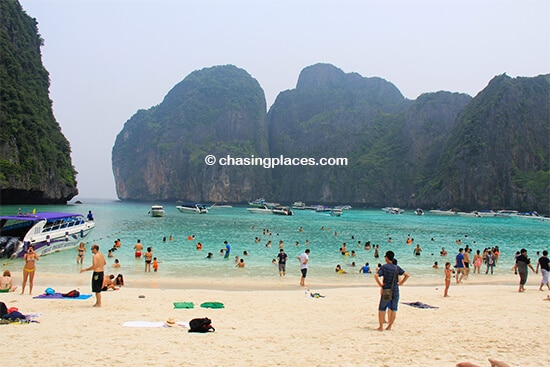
(46, 232)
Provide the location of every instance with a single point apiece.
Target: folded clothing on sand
(212, 305)
(60, 296)
(418, 305)
(184, 305)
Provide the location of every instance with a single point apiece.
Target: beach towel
(60, 296)
(152, 324)
(212, 305)
(418, 305)
(184, 305)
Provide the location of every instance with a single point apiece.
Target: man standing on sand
(460, 265)
(390, 280)
(304, 261)
(522, 262)
(98, 264)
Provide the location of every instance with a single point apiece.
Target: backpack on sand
(73, 294)
(201, 325)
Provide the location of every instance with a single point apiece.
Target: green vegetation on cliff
(441, 150)
(35, 162)
(218, 111)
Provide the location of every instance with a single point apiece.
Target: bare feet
(380, 328)
(495, 363)
(466, 364)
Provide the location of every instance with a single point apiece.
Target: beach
(277, 323)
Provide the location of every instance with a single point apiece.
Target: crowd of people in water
(459, 266)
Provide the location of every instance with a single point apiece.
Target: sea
(174, 239)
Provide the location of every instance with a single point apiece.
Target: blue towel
(60, 296)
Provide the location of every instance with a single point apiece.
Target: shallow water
(179, 258)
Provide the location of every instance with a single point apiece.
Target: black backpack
(3, 309)
(201, 325)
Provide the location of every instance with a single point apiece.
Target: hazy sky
(109, 58)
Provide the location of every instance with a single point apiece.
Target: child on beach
(448, 275)
(155, 264)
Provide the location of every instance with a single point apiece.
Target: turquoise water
(180, 258)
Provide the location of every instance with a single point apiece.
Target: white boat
(419, 211)
(336, 212)
(443, 212)
(323, 209)
(48, 232)
(192, 208)
(299, 205)
(261, 202)
(531, 215)
(216, 206)
(486, 213)
(469, 214)
(393, 210)
(157, 211)
(282, 210)
(506, 213)
(260, 210)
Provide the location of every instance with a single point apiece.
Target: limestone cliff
(35, 157)
(159, 154)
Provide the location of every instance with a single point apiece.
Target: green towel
(184, 305)
(212, 305)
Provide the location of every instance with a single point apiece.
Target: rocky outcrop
(441, 150)
(35, 157)
(219, 111)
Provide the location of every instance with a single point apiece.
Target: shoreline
(243, 283)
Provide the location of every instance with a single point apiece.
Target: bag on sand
(74, 294)
(386, 295)
(201, 325)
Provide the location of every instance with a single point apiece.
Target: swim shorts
(97, 281)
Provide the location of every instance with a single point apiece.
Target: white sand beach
(280, 326)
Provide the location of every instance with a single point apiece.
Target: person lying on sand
(494, 363)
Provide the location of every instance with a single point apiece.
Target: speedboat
(261, 202)
(216, 206)
(336, 212)
(260, 210)
(530, 215)
(475, 214)
(48, 232)
(443, 212)
(393, 210)
(322, 209)
(419, 211)
(299, 205)
(282, 210)
(157, 211)
(193, 208)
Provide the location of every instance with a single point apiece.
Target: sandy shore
(280, 326)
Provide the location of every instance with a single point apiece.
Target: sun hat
(171, 321)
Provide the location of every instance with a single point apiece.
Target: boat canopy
(40, 216)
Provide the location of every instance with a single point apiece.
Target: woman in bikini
(80, 253)
(29, 269)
